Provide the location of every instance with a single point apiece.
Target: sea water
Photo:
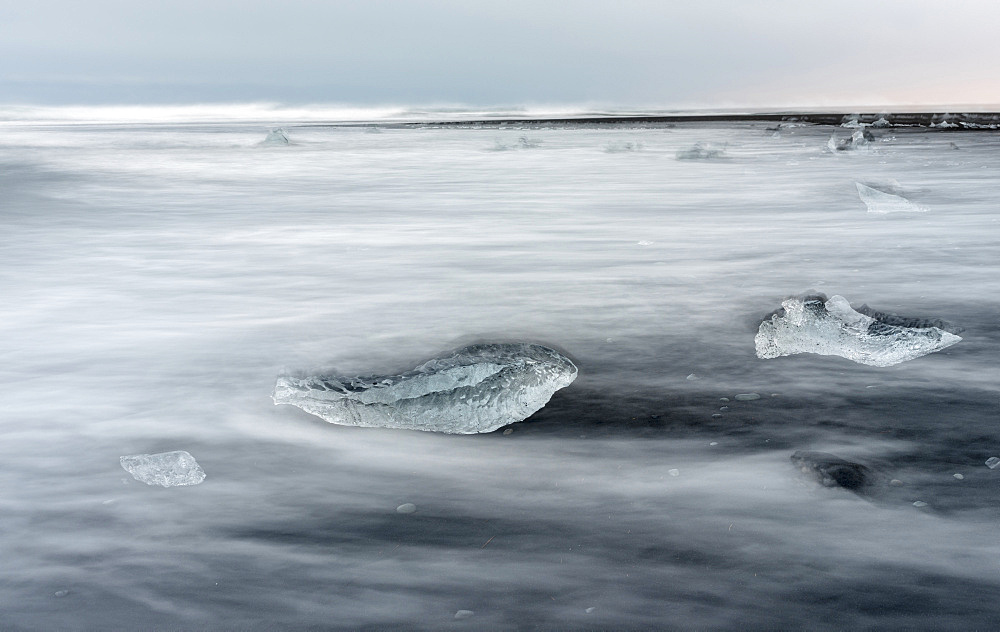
(156, 277)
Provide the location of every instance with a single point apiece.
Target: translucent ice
(701, 152)
(276, 137)
(476, 389)
(881, 202)
(614, 148)
(814, 324)
(167, 468)
(860, 139)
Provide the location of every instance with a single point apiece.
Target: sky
(627, 53)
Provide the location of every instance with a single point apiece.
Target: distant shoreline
(931, 120)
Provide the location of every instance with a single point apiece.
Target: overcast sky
(705, 53)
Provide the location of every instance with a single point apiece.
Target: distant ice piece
(881, 203)
(860, 139)
(813, 324)
(476, 389)
(522, 143)
(830, 470)
(616, 148)
(168, 469)
(276, 137)
(701, 151)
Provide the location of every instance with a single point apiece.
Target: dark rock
(832, 471)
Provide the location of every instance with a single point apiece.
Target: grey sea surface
(156, 278)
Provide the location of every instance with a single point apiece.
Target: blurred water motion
(157, 278)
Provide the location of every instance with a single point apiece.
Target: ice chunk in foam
(701, 151)
(881, 203)
(475, 389)
(276, 137)
(166, 468)
(813, 324)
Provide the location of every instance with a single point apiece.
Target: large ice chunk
(814, 324)
(881, 202)
(475, 389)
(166, 468)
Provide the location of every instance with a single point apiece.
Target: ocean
(159, 271)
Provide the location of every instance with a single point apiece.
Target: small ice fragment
(61, 593)
(860, 139)
(464, 614)
(674, 472)
(882, 203)
(692, 377)
(747, 397)
(476, 389)
(813, 324)
(723, 399)
(276, 137)
(896, 482)
(508, 431)
(406, 508)
(992, 462)
(167, 468)
(615, 148)
(919, 503)
(645, 243)
(959, 477)
(590, 610)
(724, 408)
(872, 386)
(701, 151)
(716, 415)
(881, 122)
(713, 443)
